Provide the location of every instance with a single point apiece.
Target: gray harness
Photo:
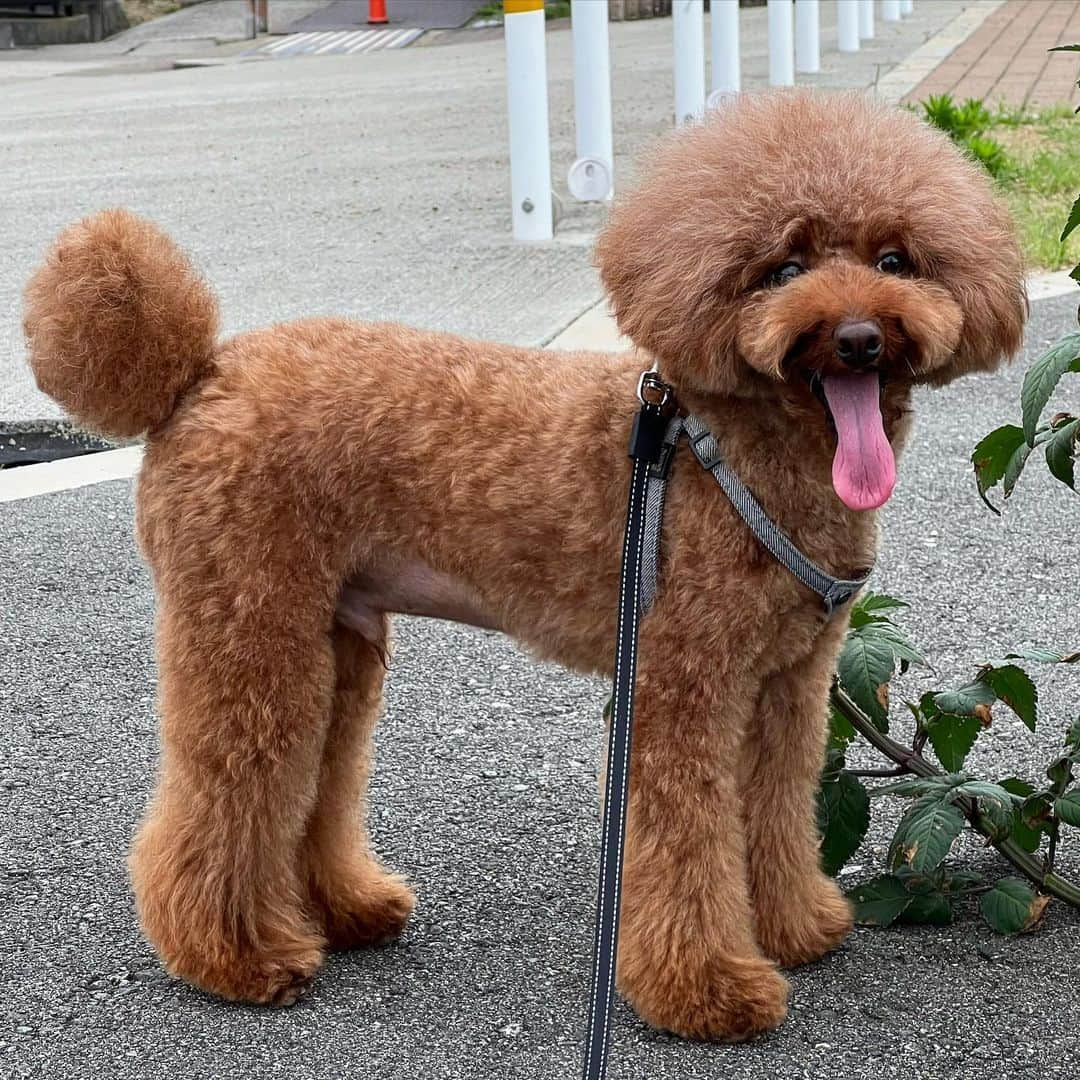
(834, 592)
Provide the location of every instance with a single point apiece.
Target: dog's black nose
(858, 343)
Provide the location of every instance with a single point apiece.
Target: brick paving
(1006, 59)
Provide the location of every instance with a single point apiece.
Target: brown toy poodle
(796, 263)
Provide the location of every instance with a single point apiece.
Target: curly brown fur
(118, 324)
(315, 476)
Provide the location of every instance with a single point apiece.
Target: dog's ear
(966, 240)
(664, 256)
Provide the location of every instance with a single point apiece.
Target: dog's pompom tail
(118, 324)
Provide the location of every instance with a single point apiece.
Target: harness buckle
(708, 461)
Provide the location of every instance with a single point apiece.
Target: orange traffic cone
(376, 11)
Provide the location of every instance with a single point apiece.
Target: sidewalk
(1005, 61)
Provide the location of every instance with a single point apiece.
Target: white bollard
(688, 22)
(907, 7)
(781, 44)
(866, 19)
(726, 72)
(807, 36)
(592, 99)
(890, 10)
(847, 25)
(527, 105)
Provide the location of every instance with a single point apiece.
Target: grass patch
(140, 11)
(1044, 149)
(1035, 159)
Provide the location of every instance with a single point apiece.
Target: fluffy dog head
(803, 245)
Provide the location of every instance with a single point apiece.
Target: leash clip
(653, 391)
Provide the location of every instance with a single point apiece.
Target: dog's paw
(805, 927)
(268, 975)
(363, 908)
(730, 1001)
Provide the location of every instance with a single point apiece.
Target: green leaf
(1060, 773)
(925, 833)
(1065, 48)
(918, 785)
(872, 607)
(1039, 655)
(995, 805)
(1043, 376)
(992, 456)
(1036, 810)
(1073, 222)
(1068, 808)
(865, 666)
(1026, 836)
(1014, 468)
(1014, 785)
(1013, 685)
(952, 737)
(962, 702)
(1010, 906)
(880, 901)
(843, 818)
(1061, 453)
(896, 639)
(876, 602)
(961, 881)
(930, 909)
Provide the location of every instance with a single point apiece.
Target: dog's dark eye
(784, 273)
(892, 262)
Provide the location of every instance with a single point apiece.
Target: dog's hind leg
(799, 912)
(246, 687)
(357, 901)
(688, 959)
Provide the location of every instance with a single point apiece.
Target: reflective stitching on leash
(637, 490)
(624, 789)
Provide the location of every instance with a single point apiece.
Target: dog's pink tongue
(864, 468)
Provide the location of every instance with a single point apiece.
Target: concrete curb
(898, 83)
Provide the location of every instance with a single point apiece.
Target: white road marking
(27, 481)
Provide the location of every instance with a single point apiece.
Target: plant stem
(898, 771)
(1032, 868)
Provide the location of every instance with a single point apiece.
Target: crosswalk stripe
(327, 42)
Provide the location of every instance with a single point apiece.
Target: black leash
(646, 445)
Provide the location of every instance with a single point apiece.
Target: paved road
(373, 186)
(485, 796)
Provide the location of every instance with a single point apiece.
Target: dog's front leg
(799, 912)
(688, 959)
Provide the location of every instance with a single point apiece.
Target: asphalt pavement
(485, 796)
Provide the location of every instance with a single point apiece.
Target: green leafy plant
(967, 124)
(1019, 817)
